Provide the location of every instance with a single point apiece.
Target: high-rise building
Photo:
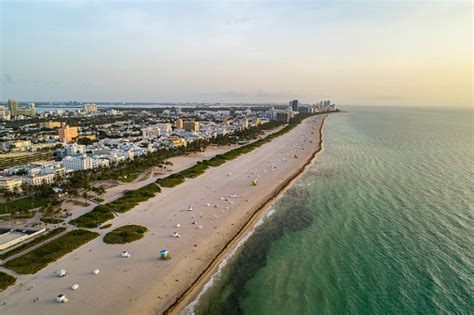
(151, 132)
(282, 116)
(165, 129)
(13, 107)
(4, 114)
(17, 111)
(89, 108)
(66, 133)
(294, 105)
(179, 123)
(191, 125)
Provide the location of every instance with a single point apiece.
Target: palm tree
(84, 194)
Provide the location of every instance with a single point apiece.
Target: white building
(37, 180)
(165, 129)
(89, 108)
(10, 183)
(77, 163)
(100, 163)
(151, 132)
(75, 149)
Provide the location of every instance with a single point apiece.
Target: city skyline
(390, 53)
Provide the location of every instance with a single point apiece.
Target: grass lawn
(6, 280)
(40, 257)
(37, 240)
(125, 234)
(23, 204)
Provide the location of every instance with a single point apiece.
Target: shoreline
(189, 295)
(144, 284)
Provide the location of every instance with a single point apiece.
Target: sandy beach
(144, 284)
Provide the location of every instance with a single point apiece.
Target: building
(66, 133)
(89, 108)
(10, 183)
(191, 126)
(244, 123)
(306, 110)
(75, 149)
(13, 107)
(179, 123)
(10, 237)
(100, 163)
(37, 180)
(165, 129)
(15, 145)
(294, 105)
(152, 132)
(4, 114)
(17, 111)
(50, 124)
(176, 141)
(283, 116)
(77, 163)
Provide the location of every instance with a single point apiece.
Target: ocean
(382, 223)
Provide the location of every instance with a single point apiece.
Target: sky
(352, 52)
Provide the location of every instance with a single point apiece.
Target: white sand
(143, 283)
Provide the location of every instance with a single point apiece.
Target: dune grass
(133, 197)
(98, 215)
(6, 280)
(40, 257)
(171, 181)
(125, 234)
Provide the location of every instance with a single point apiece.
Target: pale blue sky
(354, 52)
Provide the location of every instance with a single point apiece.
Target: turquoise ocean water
(382, 223)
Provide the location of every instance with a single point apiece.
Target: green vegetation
(41, 238)
(194, 171)
(40, 257)
(218, 160)
(133, 197)
(98, 215)
(105, 226)
(102, 213)
(171, 181)
(128, 201)
(22, 204)
(125, 234)
(10, 161)
(51, 220)
(6, 280)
